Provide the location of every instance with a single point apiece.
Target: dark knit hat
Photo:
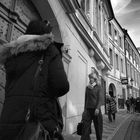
(36, 27)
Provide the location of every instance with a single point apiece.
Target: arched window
(85, 6)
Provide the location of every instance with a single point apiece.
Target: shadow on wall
(71, 108)
(71, 116)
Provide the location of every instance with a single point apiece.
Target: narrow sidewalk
(109, 129)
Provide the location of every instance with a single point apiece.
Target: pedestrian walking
(132, 105)
(35, 78)
(127, 103)
(138, 104)
(92, 111)
(111, 108)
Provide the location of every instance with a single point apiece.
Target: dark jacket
(21, 91)
(93, 97)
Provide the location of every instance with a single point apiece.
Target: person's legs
(114, 117)
(98, 123)
(109, 116)
(131, 108)
(128, 108)
(87, 126)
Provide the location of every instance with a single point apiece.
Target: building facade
(132, 67)
(115, 85)
(82, 26)
(88, 41)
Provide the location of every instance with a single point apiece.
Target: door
(14, 17)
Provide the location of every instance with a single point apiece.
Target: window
(85, 5)
(111, 56)
(133, 55)
(132, 73)
(134, 77)
(117, 62)
(120, 41)
(126, 48)
(130, 51)
(121, 65)
(137, 77)
(115, 35)
(87, 9)
(109, 26)
(99, 21)
(136, 60)
(128, 69)
(126, 45)
(105, 25)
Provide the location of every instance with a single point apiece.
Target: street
(130, 129)
(111, 131)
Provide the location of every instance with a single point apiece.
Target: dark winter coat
(20, 59)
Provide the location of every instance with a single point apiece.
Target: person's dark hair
(36, 27)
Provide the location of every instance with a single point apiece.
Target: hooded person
(21, 59)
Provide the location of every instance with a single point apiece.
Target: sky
(127, 13)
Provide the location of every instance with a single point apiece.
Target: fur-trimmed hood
(25, 43)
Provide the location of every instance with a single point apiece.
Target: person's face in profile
(93, 78)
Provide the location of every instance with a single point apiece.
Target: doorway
(112, 90)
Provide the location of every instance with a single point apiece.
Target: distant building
(115, 85)
(132, 66)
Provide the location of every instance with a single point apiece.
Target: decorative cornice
(71, 9)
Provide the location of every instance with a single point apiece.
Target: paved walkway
(109, 129)
(133, 130)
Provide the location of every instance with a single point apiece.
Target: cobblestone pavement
(109, 129)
